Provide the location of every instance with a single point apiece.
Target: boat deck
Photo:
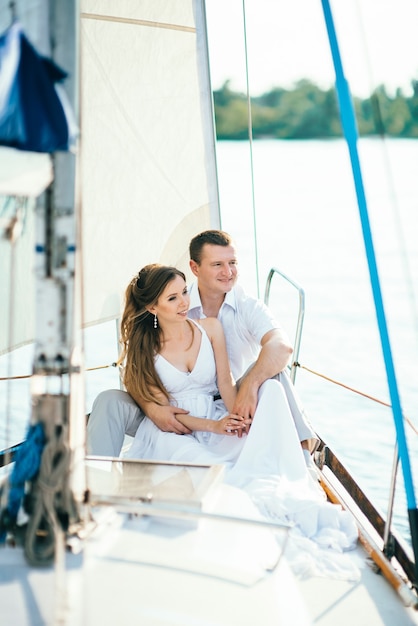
(154, 572)
(369, 602)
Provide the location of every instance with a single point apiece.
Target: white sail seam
(126, 20)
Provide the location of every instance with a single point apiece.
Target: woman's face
(173, 304)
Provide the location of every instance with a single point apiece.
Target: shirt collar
(230, 299)
(196, 303)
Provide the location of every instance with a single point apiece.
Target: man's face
(218, 269)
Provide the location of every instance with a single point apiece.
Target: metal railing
(301, 315)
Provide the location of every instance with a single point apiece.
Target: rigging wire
(250, 138)
(348, 121)
(402, 251)
(394, 204)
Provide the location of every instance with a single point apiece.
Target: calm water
(308, 226)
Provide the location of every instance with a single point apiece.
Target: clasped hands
(232, 425)
(167, 417)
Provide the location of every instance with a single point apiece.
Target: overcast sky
(287, 40)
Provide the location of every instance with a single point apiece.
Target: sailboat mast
(57, 364)
(56, 236)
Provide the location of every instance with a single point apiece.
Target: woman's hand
(232, 425)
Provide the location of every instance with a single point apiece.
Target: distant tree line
(308, 112)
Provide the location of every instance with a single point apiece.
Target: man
(258, 349)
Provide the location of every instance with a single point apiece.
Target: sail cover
(148, 181)
(34, 115)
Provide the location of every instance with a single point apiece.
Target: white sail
(147, 152)
(148, 159)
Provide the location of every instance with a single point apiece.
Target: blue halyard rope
(348, 121)
(27, 461)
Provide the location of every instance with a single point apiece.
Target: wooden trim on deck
(397, 548)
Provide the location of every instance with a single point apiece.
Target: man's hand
(246, 401)
(164, 417)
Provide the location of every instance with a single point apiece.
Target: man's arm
(274, 356)
(163, 416)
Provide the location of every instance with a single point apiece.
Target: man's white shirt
(245, 321)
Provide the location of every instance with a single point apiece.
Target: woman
(171, 359)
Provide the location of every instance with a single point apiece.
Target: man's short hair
(212, 237)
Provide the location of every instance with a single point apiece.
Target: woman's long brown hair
(140, 340)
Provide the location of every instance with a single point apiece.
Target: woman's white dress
(268, 463)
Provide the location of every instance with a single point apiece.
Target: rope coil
(50, 503)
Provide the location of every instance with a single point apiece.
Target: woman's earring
(155, 320)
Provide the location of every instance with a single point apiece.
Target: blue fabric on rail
(27, 461)
(33, 116)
